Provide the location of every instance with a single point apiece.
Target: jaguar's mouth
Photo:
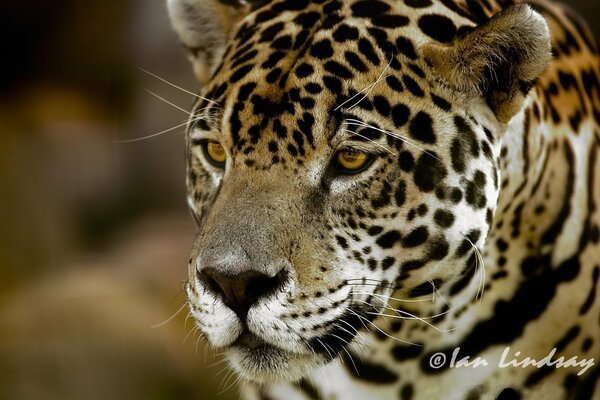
(256, 360)
(248, 340)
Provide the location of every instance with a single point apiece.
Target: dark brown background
(94, 235)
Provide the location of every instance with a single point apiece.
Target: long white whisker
(379, 78)
(383, 332)
(193, 329)
(356, 122)
(412, 316)
(153, 135)
(177, 87)
(367, 89)
(370, 140)
(168, 102)
(396, 299)
(479, 262)
(170, 318)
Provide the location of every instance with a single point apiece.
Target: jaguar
(395, 199)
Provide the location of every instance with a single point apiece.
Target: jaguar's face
(314, 205)
(325, 174)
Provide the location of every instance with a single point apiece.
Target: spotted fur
(475, 226)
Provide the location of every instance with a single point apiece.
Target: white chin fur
(272, 366)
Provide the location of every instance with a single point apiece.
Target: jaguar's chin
(257, 361)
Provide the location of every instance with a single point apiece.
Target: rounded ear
(203, 26)
(500, 60)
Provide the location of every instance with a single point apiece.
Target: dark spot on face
(273, 59)
(269, 33)
(245, 91)
(438, 248)
(355, 61)
(367, 50)
(407, 161)
(456, 195)
(413, 86)
(418, 3)
(374, 230)
(417, 237)
(406, 47)
(307, 20)
(400, 194)
(388, 239)
(421, 128)
(273, 75)
(322, 49)
(417, 70)
(382, 105)
(466, 133)
(313, 88)
(443, 218)
(387, 263)
(337, 69)
(369, 9)
(345, 32)
(333, 84)
(282, 43)
(400, 115)
(509, 394)
(342, 242)
(429, 172)
(304, 70)
(407, 392)
(394, 84)
(458, 156)
(441, 103)
(438, 27)
(240, 73)
(390, 21)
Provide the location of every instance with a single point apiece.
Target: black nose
(241, 291)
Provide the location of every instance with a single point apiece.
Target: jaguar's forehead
(291, 67)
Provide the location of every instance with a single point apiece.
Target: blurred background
(95, 234)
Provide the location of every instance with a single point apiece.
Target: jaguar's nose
(241, 291)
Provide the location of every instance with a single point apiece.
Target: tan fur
(203, 28)
(515, 43)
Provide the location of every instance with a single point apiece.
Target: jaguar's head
(340, 152)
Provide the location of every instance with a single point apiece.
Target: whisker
(383, 332)
(217, 363)
(411, 317)
(168, 102)
(193, 329)
(379, 78)
(235, 381)
(170, 318)
(370, 140)
(390, 308)
(325, 347)
(394, 298)
(479, 262)
(368, 88)
(177, 87)
(152, 135)
(356, 122)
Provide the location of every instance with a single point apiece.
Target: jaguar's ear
(203, 27)
(500, 59)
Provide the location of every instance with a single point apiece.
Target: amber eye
(352, 161)
(215, 153)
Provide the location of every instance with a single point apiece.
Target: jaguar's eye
(215, 153)
(352, 161)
